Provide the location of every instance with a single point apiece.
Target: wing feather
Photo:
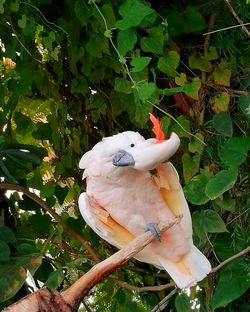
(171, 190)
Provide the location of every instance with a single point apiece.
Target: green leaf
(22, 21)
(195, 146)
(25, 156)
(13, 274)
(181, 79)
(227, 203)
(123, 85)
(13, 5)
(211, 54)
(222, 74)
(55, 279)
(139, 63)
(211, 222)
(195, 190)
(244, 104)
(221, 102)
(191, 165)
(133, 12)
(233, 282)
(165, 123)
(4, 252)
(7, 235)
(40, 223)
(154, 41)
(234, 151)
(146, 90)
(192, 89)
(169, 63)
(80, 85)
(223, 124)
(1, 6)
(182, 303)
(183, 130)
(126, 40)
(221, 182)
(197, 61)
(94, 45)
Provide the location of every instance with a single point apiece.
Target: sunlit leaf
(133, 12)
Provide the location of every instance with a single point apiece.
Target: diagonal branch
(239, 254)
(47, 208)
(227, 2)
(48, 300)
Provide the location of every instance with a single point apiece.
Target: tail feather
(193, 268)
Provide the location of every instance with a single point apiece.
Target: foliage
(73, 72)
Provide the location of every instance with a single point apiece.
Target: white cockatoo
(124, 198)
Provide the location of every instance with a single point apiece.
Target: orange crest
(159, 134)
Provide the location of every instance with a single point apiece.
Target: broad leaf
(169, 63)
(197, 61)
(4, 252)
(221, 102)
(233, 282)
(146, 90)
(154, 41)
(191, 165)
(211, 222)
(139, 63)
(55, 279)
(126, 40)
(234, 151)
(221, 182)
(183, 303)
(133, 12)
(223, 124)
(195, 190)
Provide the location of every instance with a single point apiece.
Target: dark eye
(132, 145)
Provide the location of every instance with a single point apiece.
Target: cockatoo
(130, 187)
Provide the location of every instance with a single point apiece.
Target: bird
(130, 188)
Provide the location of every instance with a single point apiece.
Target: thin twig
(239, 254)
(47, 208)
(143, 289)
(163, 303)
(226, 28)
(227, 2)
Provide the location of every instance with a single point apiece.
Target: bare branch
(82, 286)
(237, 18)
(241, 253)
(47, 208)
(70, 298)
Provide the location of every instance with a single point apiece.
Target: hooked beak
(123, 159)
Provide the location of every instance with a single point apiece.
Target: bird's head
(130, 149)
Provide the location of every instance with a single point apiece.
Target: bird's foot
(154, 229)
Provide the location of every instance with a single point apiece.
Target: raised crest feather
(159, 134)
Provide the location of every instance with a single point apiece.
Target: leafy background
(75, 71)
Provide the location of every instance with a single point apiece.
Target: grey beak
(123, 159)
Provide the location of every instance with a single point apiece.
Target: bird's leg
(154, 229)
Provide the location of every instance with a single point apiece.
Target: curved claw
(154, 229)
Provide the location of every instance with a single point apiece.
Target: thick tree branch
(47, 208)
(69, 299)
(82, 286)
